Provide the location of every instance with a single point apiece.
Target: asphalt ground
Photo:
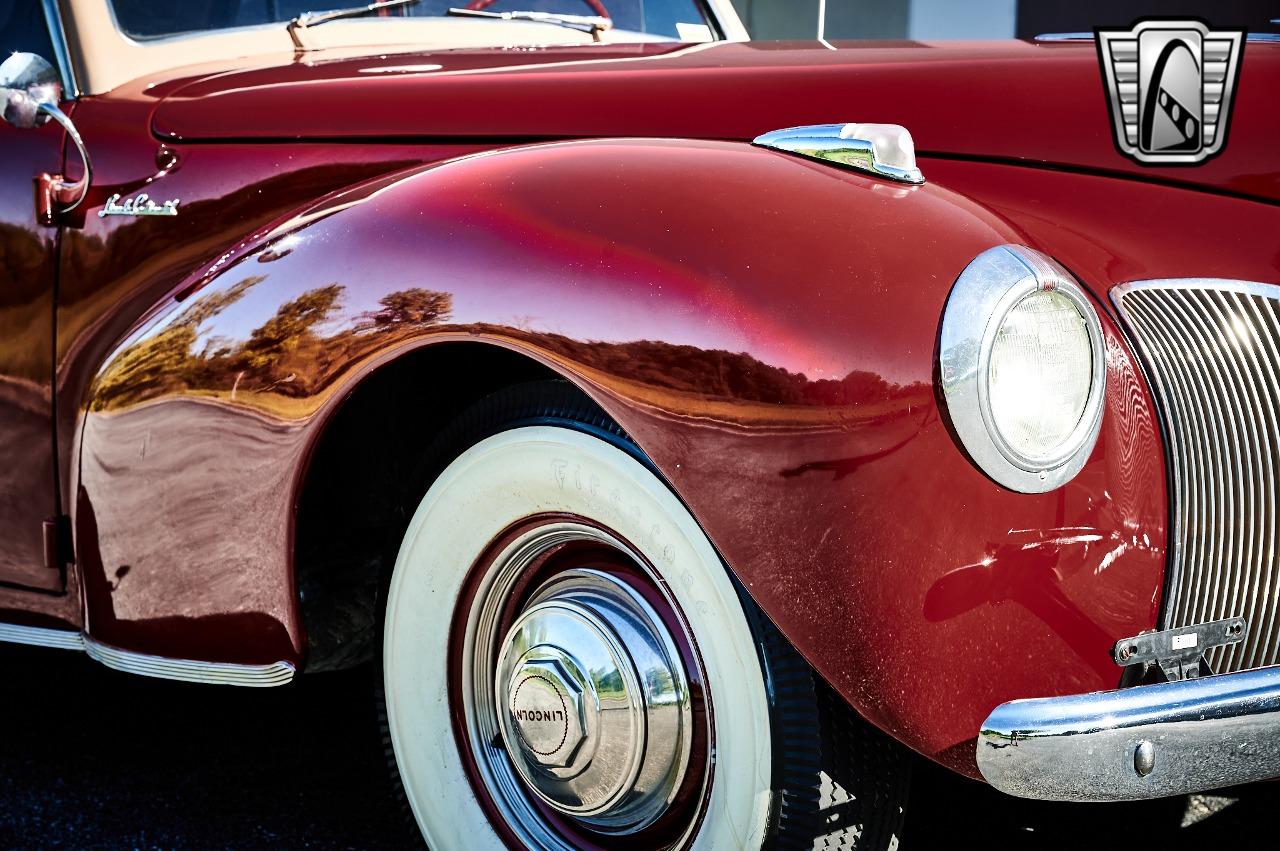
(91, 758)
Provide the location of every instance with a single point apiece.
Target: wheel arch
(362, 477)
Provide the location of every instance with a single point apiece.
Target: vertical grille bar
(1212, 352)
(1268, 596)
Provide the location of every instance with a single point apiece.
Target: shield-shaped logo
(1169, 86)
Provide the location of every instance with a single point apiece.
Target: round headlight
(1039, 374)
(1022, 368)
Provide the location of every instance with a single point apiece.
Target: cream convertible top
(94, 56)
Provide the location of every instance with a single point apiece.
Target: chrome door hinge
(58, 550)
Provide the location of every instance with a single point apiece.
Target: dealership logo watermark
(1169, 86)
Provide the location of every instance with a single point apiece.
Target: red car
(682, 445)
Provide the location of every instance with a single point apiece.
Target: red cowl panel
(1036, 103)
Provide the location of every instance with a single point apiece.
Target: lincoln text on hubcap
(581, 693)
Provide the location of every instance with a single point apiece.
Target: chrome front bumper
(1141, 742)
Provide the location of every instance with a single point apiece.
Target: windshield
(144, 19)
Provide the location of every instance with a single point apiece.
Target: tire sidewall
(493, 485)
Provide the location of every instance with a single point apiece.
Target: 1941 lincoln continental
(685, 429)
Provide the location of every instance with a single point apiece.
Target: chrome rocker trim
(186, 670)
(1148, 741)
(40, 637)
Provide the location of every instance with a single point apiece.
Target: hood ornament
(885, 150)
(138, 205)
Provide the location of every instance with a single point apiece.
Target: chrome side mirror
(26, 83)
(30, 89)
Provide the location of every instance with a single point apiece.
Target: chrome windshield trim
(1148, 741)
(61, 55)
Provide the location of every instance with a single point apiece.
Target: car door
(27, 261)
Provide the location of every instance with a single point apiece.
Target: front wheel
(567, 664)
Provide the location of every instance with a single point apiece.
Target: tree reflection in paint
(165, 362)
(286, 355)
(292, 356)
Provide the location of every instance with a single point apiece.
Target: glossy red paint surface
(820, 465)
(763, 325)
(27, 261)
(1035, 102)
(1111, 231)
(115, 271)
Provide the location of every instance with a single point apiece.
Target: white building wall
(892, 19)
(936, 19)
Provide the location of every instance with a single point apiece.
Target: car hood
(1032, 103)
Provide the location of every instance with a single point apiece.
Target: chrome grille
(1212, 352)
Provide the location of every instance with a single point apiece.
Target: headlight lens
(1039, 375)
(1022, 368)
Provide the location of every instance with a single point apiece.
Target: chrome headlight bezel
(986, 292)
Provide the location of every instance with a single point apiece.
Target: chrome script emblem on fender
(1169, 87)
(138, 205)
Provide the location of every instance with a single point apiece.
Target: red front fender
(764, 326)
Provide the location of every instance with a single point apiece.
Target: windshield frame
(103, 56)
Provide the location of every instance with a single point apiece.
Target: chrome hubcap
(593, 712)
(582, 711)
(547, 708)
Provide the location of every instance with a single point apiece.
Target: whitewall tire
(566, 663)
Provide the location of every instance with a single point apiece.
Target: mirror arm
(59, 196)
